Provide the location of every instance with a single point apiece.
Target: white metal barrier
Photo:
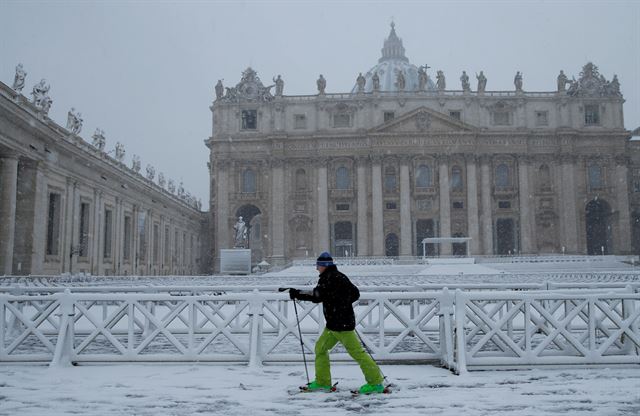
(245, 327)
(510, 329)
(462, 330)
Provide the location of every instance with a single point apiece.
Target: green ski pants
(327, 340)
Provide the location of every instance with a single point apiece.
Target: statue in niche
(360, 81)
(99, 140)
(171, 186)
(422, 78)
(18, 80)
(464, 79)
(219, 90)
(322, 84)
(240, 232)
(517, 81)
(482, 81)
(74, 121)
(400, 81)
(279, 86)
(376, 81)
(161, 180)
(562, 81)
(135, 163)
(151, 172)
(440, 81)
(120, 152)
(41, 97)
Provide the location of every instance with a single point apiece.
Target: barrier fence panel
(505, 329)
(487, 329)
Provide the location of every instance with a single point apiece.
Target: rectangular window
(591, 115)
(156, 244)
(342, 207)
(458, 205)
(636, 180)
(456, 114)
(299, 121)
(501, 118)
(341, 120)
(167, 243)
(53, 225)
(388, 116)
(127, 238)
(542, 118)
(391, 205)
(249, 119)
(108, 233)
(142, 236)
(504, 204)
(83, 231)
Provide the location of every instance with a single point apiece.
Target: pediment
(421, 120)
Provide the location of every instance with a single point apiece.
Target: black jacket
(337, 294)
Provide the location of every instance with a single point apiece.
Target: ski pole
(304, 357)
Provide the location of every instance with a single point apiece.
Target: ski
(387, 390)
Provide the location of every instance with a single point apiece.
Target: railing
(537, 329)
(462, 330)
(256, 327)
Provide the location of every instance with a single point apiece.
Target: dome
(392, 62)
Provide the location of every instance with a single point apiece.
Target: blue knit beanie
(325, 260)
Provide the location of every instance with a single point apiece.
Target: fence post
(461, 347)
(255, 337)
(446, 335)
(15, 327)
(64, 344)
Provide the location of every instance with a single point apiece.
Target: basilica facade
(401, 157)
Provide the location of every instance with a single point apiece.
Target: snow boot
(371, 388)
(314, 386)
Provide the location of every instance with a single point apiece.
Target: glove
(293, 294)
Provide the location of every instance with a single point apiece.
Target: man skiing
(337, 294)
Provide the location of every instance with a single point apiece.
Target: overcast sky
(144, 71)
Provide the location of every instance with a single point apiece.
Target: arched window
(456, 179)
(249, 181)
(503, 179)
(390, 182)
(343, 179)
(424, 179)
(596, 180)
(301, 180)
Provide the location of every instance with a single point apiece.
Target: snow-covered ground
(225, 389)
(183, 390)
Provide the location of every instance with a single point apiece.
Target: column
(473, 226)
(568, 210)
(40, 221)
(486, 222)
(623, 236)
(363, 223)
(278, 198)
(526, 212)
(377, 229)
(445, 204)
(96, 250)
(8, 188)
(405, 208)
(323, 208)
(222, 224)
